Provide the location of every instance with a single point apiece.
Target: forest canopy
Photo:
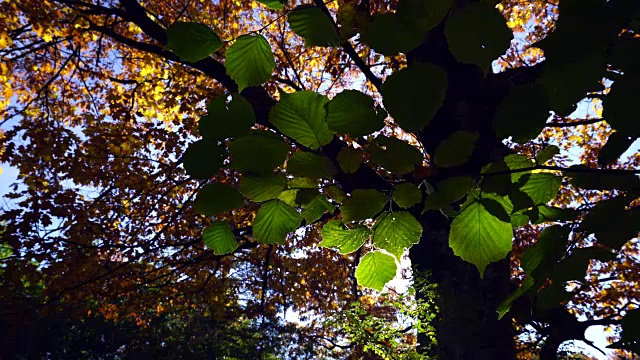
(363, 179)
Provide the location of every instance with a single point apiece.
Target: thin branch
(574, 123)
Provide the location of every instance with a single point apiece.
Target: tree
(110, 94)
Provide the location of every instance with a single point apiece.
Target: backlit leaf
(396, 231)
(375, 270)
(363, 204)
(346, 240)
(274, 221)
(219, 238)
(301, 116)
(479, 237)
(353, 112)
(314, 26)
(398, 156)
(349, 159)
(257, 153)
(191, 41)
(250, 61)
(310, 165)
(262, 188)
(406, 195)
(215, 198)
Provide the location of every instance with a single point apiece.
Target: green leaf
(547, 154)
(191, 41)
(398, 156)
(216, 198)
(520, 200)
(227, 121)
(396, 231)
(313, 210)
(456, 149)
(314, 26)
(455, 188)
(375, 270)
(274, 4)
(479, 237)
(414, 94)
(552, 296)
(303, 183)
(258, 153)
(336, 236)
(262, 188)
(304, 196)
(301, 116)
(274, 221)
(353, 112)
(522, 123)
(289, 197)
(363, 204)
(539, 259)
(310, 165)
(406, 195)
(517, 162)
(542, 187)
(335, 193)
(422, 15)
(250, 61)
(219, 238)
(349, 159)
(616, 145)
(388, 34)
(550, 213)
(617, 111)
(203, 159)
(477, 34)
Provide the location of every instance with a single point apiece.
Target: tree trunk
(467, 326)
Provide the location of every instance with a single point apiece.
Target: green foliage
(479, 237)
(314, 209)
(262, 188)
(353, 113)
(345, 240)
(192, 42)
(406, 195)
(274, 4)
(301, 116)
(203, 159)
(616, 106)
(274, 221)
(258, 153)
(489, 39)
(250, 61)
(396, 231)
(349, 159)
(219, 238)
(310, 165)
(456, 149)
(395, 155)
(388, 34)
(215, 198)
(225, 121)
(375, 270)
(363, 204)
(413, 95)
(314, 26)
